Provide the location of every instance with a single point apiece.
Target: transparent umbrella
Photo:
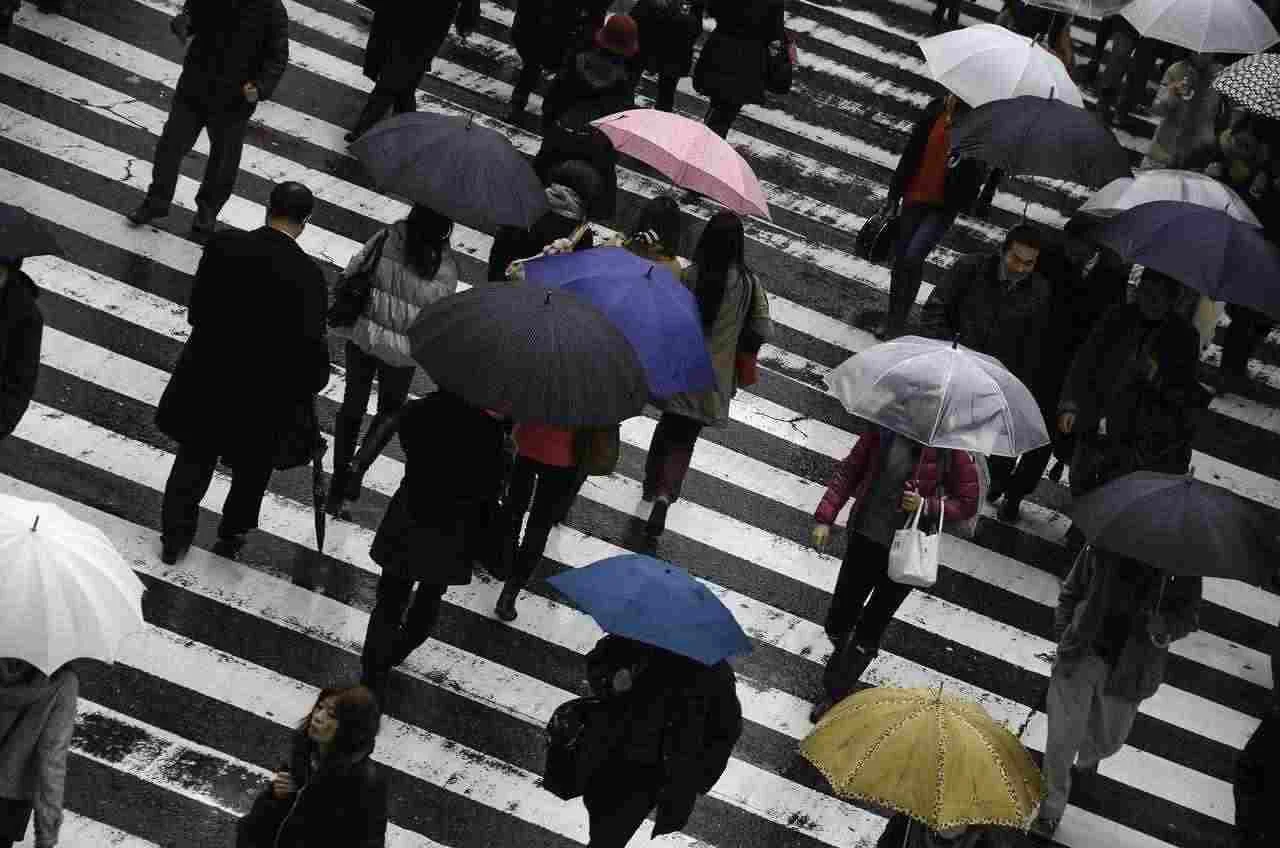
(1167, 184)
(1092, 9)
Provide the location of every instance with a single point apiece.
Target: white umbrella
(1093, 9)
(65, 591)
(1205, 26)
(1167, 184)
(986, 62)
(941, 394)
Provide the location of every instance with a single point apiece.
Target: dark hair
(291, 200)
(721, 248)
(426, 235)
(1027, 234)
(579, 175)
(660, 215)
(358, 715)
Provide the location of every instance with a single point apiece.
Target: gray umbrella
(531, 354)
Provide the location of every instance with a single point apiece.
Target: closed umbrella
(689, 154)
(941, 394)
(1205, 26)
(65, 591)
(531, 354)
(1254, 83)
(1148, 186)
(1092, 9)
(987, 62)
(468, 173)
(23, 234)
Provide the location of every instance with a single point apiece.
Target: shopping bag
(913, 558)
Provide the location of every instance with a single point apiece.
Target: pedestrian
(902, 831)
(889, 477)
(950, 9)
(257, 353)
(403, 42)
(21, 334)
(731, 69)
(1246, 331)
(238, 51)
(931, 186)
(545, 33)
(597, 80)
(1257, 783)
(731, 299)
(1051, 28)
(567, 142)
(37, 718)
(1189, 110)
(668, 31)
(998, 304)
(453, 469)
(329, 792)
(678, 720)
(1122, 87)
(655, 235)
(572, 187)
(414, 266)
(1115, 620)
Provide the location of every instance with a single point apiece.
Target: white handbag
(913, 558)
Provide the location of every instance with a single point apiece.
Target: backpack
(581, 737)
(596, 450)
(967, 528)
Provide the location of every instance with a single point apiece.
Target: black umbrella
(468, 173)
(23, 234)
(531, 354)
(1181, 525)
(1041, 137)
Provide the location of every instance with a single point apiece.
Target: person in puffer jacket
(415, 267)
(37, 717)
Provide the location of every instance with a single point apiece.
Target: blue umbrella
(657, 603)
(643, 299)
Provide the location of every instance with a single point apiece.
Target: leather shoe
(171, 552)
(657, 517)
(505, 609)
(1011, 510)
(205, 223)
(820, 709)
(146, 213)
(229, 546)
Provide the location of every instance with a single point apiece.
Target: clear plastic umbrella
(941, 394)
(986, 62)
(1167, 184)
(1205, 26)
(1092, 9)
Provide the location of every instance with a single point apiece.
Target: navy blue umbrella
(1203, 248)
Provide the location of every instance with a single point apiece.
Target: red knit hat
(619, 35)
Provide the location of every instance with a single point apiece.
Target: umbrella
(1254, 83)
(936, 758)
(1155, 184)
(532, 354)
(656, 313)
(318, 490)
(65, 591)
(467, 173)
(1092, 9)
(941, 394)
(657, 603)
(1205, 26)
(1181, 525)
(987, 62)
(1046, 138)
(1203, 248)
(23, 234)
(689, 154)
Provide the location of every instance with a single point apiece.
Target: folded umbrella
(657, 314)
(532, 354)
(23, 234)
(1254, 83)
(1205, 26)
(657, 603)
(468, 173)
(986, 62)
(1181, 525)
(1148, 186)
(941, 394)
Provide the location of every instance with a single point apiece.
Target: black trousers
(187, 117)
(1247, 328)
(618, 808)
(864, 573)
(721, 115)
(530, 76)
(382, 98)
(948, 8)
(399, 623)
(670, 452)
(1019, 477)
(188, 482)
(666, 101)
(543, 491)
(393, 391)
(15, 816)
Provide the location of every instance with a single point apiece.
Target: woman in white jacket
(414, 267)
(37, 717)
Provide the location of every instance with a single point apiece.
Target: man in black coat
(256, 356)
(21, 331)
(238, 52)
(545, 33)
(668, 31)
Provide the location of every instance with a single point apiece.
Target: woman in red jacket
(889, 477)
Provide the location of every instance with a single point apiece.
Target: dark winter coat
(21, 331)
(512, 243)
(234, 42)
(257, 349)
(593, 84)
(561, 143)
(406, 36)
(454, 464)
(681, 719)
(1257, 785)
(731, 68)
(546, 31)
(964, 176)
(668, 30)
(988, 315)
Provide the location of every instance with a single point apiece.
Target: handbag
(352, 293)
(581, 736)
(913, 558)
(779, 65)
(877, 236)
(746, 361)
(596, 450)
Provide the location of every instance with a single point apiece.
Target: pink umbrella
(688, 154)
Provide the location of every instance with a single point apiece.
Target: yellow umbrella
(938, 759)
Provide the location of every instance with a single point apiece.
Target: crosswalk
(174, 740)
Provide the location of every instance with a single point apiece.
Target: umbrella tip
(471, 119)
(35, 524)
(649, 273)
(955, 341)
(547, 300)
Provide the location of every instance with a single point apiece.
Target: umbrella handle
(574, 238)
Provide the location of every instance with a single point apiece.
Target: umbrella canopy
(938, 759)
(689, 154)
(23, 234)
(657, 314)
(657, 603)
(1093, 9)
(1148, 186)
(1254, 83)
(1203, 248)
(467, 173)
(531, 353)
(65, 591)
(1181, 525)
(1205, 26)
(941, 394)
(1045, 138)
(987, 62)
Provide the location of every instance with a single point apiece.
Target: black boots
(505, 609)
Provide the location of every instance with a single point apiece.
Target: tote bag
(913, 558)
